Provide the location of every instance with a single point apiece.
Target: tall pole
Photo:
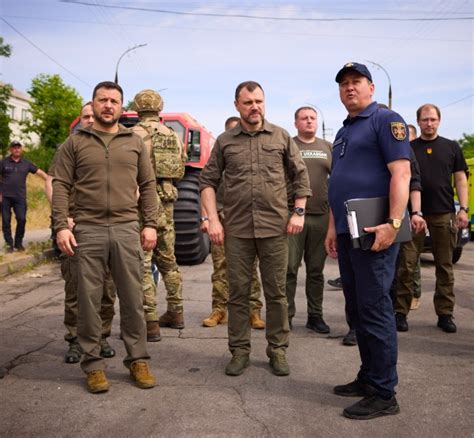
(122, 55)
(389, 82)
(322, 118)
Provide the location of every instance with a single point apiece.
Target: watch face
(397, 223)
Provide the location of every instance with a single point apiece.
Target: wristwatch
(466, 209)
(300, 211)
(203, 219)
(416, 213)
(395, 223)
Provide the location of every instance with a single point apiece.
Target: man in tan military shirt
(256, 157)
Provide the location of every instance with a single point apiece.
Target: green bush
(40, 156)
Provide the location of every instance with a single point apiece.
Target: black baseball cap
(15, 143)
(354, 66)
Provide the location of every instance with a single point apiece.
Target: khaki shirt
(318, 158)
(256, 166)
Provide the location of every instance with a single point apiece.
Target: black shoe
(337, 283)
(350, 339)
(20, 248)
(354, 389)
(106, 350)
(372, 407)
(9, 248)
(446, 323)
(317, 324)
(401, 321)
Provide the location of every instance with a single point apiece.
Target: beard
(106, 122)
(254, 120)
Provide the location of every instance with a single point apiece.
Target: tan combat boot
(153, 331)
(255, 321)
(415, 304)
(172, 319)
(216, 317)
(140, 372)
(97, 381)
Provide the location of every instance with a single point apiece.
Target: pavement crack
(49, 298)
(249, 416)
(18, 359)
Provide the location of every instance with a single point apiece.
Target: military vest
(166, 150)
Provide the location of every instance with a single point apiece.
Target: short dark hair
(231, 120)
(412, 127)
(427, 105)
(305, 108)
(249, 85)
(109, 85)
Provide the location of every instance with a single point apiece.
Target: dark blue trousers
(367, 277)
(19, 208)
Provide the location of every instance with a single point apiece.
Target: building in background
(19, 111)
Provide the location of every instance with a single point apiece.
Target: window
(176, 127)
(11, 112)
(25, 115)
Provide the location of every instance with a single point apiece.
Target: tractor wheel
(192, 246)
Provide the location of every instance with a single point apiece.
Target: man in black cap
(13, 172)
(371, 158)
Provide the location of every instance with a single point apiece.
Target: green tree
(55, 105)
(5, 93)
(467, 144)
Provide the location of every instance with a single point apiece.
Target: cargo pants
(443, 232)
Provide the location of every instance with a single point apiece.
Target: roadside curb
(28, 260)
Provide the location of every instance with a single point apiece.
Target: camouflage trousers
(69, 271)
(165, 260)
(220, 285)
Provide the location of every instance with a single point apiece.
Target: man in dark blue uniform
(371, 156)
(13, 173)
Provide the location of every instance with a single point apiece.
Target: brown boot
(140, 372)
(216, 317)
(172, 319)
(153, 331)
(97, 381)
(255, 321)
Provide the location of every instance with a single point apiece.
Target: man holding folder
(371, 158)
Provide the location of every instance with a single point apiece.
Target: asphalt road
(41, 396)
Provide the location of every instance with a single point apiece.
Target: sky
(197, 52)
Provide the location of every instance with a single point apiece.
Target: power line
(256, 17)
(459, 100)
(44, 53)
(279, 32)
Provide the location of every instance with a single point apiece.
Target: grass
(39, 211)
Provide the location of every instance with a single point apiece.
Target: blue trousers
(366, 278)
(19, 208)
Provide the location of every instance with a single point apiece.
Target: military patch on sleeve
(398, 130)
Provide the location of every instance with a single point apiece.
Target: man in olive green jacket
(105, 164)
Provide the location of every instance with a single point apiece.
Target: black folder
(370, 212)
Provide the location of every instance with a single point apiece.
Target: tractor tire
(192, 246)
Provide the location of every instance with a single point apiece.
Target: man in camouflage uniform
(168, 159)
(220, 285)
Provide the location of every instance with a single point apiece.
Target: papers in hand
(370, 212)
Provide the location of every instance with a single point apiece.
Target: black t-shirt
(438, 159)
(13, 174)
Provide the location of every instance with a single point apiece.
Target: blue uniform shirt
(361, 151)
(14, 175)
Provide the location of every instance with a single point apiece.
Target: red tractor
(192, 246)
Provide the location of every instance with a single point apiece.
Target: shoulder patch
(398, 130)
